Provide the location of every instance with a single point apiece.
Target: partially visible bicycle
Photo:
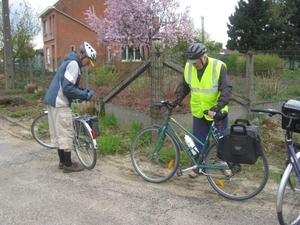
(85, 143)
(288, 194)
(157, 150)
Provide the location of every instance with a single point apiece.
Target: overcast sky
(215, 13)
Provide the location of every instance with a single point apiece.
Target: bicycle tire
(159, 166)
(40, 130)
(84, 145)
(245, 181)
(288, 199)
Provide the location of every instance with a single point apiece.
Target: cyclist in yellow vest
(207, 81)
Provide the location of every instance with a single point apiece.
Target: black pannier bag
(291, 107)
(240, 143)
(93, 122)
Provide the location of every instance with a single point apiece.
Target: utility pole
(8, 63)
(202, 24)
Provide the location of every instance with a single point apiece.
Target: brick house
(64, 29)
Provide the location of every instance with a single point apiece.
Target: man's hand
(90, 94)
(177, 102)
(213, 111)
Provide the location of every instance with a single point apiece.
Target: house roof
(50, 8)
(224, 51)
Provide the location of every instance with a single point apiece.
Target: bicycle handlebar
(272, 112)
(220, 115)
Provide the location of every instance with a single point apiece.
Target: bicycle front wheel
(84, 145)
(242, 181)
(155, 156)
(288, 197)
(40, 130)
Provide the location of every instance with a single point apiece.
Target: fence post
(156, 69)
(249, 81)
(43, 75)
(85, 77)
(30, 71)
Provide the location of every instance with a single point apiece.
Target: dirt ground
(260, 205)
(179, 199)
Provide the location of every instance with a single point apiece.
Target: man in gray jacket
(63, 89)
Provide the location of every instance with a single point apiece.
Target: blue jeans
(201, 127)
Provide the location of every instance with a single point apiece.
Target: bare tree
(25, 26)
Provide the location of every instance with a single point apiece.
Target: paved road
(33, 191)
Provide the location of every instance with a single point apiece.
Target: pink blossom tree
(136, 22)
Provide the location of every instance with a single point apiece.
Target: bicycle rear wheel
(155, 160)
(288, 197)
(84, 145)
(40, 130)
(245, 180)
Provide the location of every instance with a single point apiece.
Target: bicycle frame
(82, 119)
(198, 161)
(291, 152)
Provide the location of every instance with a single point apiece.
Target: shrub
(269, 87)
(31, 88)
(104, 75)
(267, 64)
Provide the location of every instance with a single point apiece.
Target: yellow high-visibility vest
(204, 93)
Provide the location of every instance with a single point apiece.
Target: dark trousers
(201, 127)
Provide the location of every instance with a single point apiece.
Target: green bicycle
(156, 153)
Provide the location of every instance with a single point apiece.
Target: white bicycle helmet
(89, 51)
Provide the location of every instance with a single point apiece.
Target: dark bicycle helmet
(195, 51)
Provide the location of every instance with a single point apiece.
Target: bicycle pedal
(179, 173)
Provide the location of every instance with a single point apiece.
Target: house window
(45, 27)
(47, 55)
(131, 54)
(72, 48)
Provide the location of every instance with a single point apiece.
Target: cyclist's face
(85, 60)
(200, 63)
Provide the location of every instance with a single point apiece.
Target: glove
(176, 103)
(220, 115)
(90, 94)
(215, 109)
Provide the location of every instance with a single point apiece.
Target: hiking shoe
(227, 172)
(74, 168)
(61, 165)
(193, 174)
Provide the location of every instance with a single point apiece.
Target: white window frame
(128, 58)
(45, 27)
(48, 55)
(109, 58)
